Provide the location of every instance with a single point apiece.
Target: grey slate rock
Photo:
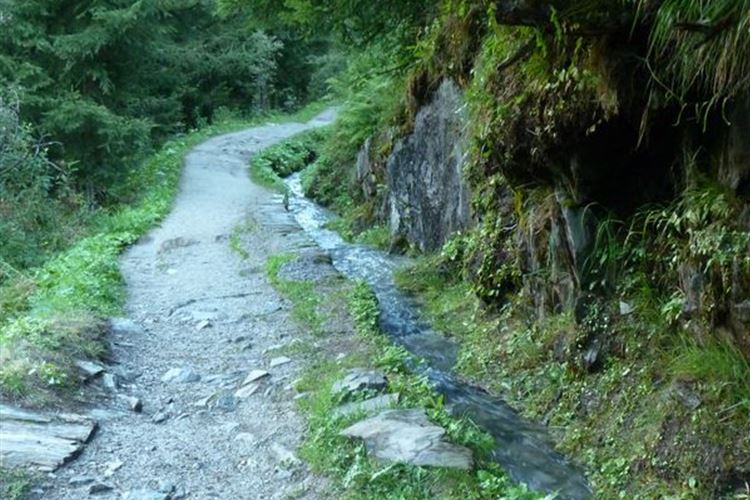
(408, 436)
(81, 480)
(99, 488)
(360, 380)
(89, 369)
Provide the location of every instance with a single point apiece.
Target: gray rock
(125, 326)
(408, 436)
(203, 325)
(160, 417)
(254, 375)
(428, 196)
(360, 380)
(77, 481)
(181, 376)
(41, 441)
(89, 369)
(99, 488)
(283, 455)
(281, 360)
(134, 404)
(368, 405)
(625, 308)
(246, 391)
(681, 392)
(109, 381)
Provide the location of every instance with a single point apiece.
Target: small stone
(112, 467)
(77, 481)
(246, 391)
(134, 404)
(89, 369)
(225, 402)
(360, 380)
(625, 308)
(255, 375)
(245, 436)
(98, 488)
(125, 326)
(160, 417)
(181, 376)
(109, 381)
(281, 360)
(685, 395)
(203, 325)
(166, 487)
(283, 455)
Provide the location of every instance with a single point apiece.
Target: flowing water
(522, 448)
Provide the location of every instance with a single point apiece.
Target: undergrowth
(305, 301)
(355, 474)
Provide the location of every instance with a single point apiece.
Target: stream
(522, 448)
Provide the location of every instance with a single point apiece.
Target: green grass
(355, 475)
(305, 301)
(624, 422)
(235, 237)
(50, 316)
(291, 155)
(14, 485)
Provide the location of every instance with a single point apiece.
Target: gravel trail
(210, 316)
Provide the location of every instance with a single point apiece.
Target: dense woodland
(628, 117)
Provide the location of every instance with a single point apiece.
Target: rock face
(42, 442)
(407, 436)
(428, 198)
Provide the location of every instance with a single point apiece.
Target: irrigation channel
(522, 448)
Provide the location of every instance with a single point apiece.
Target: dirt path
(212, 313)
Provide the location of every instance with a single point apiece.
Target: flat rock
(201, 325)
(281, 360)
(371, 405)
(89, 369)
(160, 417)
(39, 441)
(181, 376)
(360, 380)
(408, 436)
(125, 326)
(99, 488)
(246, 391)
(254, 375)
(77, 481)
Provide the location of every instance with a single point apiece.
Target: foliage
(285, 158)
(108, 80)
(305, 302)
(701, 50)
(33, 224)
